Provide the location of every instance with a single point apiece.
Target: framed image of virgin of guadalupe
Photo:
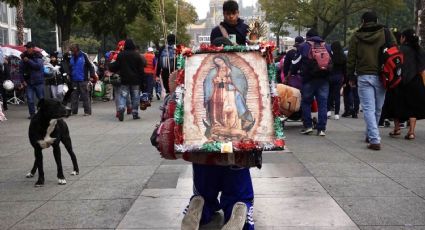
(227, 100)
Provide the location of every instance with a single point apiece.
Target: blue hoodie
(304, 50)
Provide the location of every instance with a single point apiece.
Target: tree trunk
(20, 22)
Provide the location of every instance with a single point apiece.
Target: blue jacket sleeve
(36, 64)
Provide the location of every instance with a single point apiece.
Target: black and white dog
(47, 128)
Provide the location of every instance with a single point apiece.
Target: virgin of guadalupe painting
(225, 91)
(227, 98)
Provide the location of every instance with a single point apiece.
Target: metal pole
(57, 38)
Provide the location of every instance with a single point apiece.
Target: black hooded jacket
(129, 64)
(240, 30)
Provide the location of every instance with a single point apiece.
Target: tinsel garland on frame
(266, 49)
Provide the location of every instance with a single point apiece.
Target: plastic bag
(98, 86)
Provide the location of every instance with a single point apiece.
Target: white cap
(150, 49)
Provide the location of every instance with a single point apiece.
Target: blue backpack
(167, 58)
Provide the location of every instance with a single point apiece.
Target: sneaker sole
(238, 218)
(193, 216)
(307, 133)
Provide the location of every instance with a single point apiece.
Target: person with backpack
(291, 65)
(336, 78)
(232, 182)
(315, 68)
(407, 100)
(363, 59)
(166, 61)
(80, 67)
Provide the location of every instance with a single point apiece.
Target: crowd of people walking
(357, 74)
(74, 78)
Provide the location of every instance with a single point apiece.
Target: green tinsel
(278, 129)
(179, 113)
(271, 71)
(235, 48)
(180, 61)
(211, 147)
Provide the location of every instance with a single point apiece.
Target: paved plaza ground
(324, 183)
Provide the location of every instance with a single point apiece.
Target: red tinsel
(279, 142)
(186, 51)
(210, 48)
(275, 108)
(180, 77)
(178, 134)
(246, 145)
(267, 48)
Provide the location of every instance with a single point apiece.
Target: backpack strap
(387, 37)
(223, 31)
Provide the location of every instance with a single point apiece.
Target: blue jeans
(372, 97)
(39, 92)
(134, 91)
(148, 84)
(319, 89)
(234, 184)
(158, 87)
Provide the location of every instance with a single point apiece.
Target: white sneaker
(238, 218)
(329, 114)
(306, 131)
(192, 218)
(321, 133)
(336, 117)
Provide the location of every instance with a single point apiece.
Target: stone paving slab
(281, 170)
(146, 212)
(329, 157)
(376, 211)
(392, 227)
(342, 170)
(12, 212)
(133, 156)
(386, 157)
(25, 191)
(101, 190)
(50, 172)
(363, 187)
(142, 173)
(163, 180)
(416, 185)
(77, 214)
(401, 169)
(300, 211)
